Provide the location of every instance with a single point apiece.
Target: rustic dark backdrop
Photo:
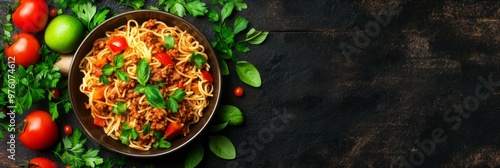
(358, 83)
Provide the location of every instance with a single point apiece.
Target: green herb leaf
(162, 143)
(71, 151)
(107, 69)
(121, 75)
(218, 127)
(178, 94)
(240, 24)
(178, 9)
(241, 47)
(248, 73)
(103, 79)
(85, 12)
(221, 147)
(195, 155)
(239, 5)
(230, 114)
(197, 59)
(169, 42)
(99, 17)
(226, 10)
(154, 97)
(140, 89)
(224, 69)
(213, 16)
(118, 61)
(147, 129)
(91, 158)
(256, 37)
(172, 105)
(143, 71)
(196, 8)
(136, 4)
(121, 107)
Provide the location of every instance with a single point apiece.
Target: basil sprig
(108, 69)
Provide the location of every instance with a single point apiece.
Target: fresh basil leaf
(218, 127)
(134, 135)
(147, 129)
(241, 47)
(248, 73)
(103, 79)
(226, 10)
(124, 139)
(121, 75)
(256, 37)
(240, 24)
(224, 69)
(178, 94)
(197, 59)
(143, 71)
(221, 147)
(169, 42)
(195, 155)
(140, 89)
(119, 61)
(172, 105)
(107, 69)
(154, 97)
(230, 114)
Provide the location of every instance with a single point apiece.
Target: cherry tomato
(39, 130)
(55, 93)
(117, 44)
(31, 16)
(164, 58)
(24, 50)
(68, 130)
(41, 162)
(53, 12)
(238, 91)
(207, 76)
(173, 129)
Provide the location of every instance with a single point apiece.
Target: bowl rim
(215, 100)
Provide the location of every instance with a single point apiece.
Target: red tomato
(99, 122)
(31, 16)
(117, 44)
(207, 76)
(41, 162)
(180, 85)
(24, 50)
(55, 93)
(164, 58)
(68, 130)
(39, 130)
(173, 129)
(238, 91)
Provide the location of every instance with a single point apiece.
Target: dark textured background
(315, 109)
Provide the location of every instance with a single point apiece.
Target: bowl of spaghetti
(144, 83)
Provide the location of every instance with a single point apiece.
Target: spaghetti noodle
(145, 105)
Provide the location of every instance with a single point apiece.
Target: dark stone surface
(317, 109)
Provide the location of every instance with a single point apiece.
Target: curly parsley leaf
(88, 14)
(179, 7)
(128, 132)
(71, 151)
(136, 4)
(198, 59)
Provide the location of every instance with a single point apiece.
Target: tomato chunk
(99, 93)
(117, 44)
(173, 129)
(207, 76)
(99, 122)
(164, 58)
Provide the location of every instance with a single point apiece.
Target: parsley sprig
(126, 133)
(71, 151)
(179, 7)
(109, 69)
(86, 11)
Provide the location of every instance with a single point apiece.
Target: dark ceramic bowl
(77, 98)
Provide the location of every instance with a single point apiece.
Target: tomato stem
(20, 128)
